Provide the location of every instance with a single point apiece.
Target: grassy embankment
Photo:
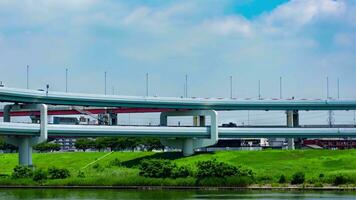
(268, 166)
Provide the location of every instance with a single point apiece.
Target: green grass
(268, 166)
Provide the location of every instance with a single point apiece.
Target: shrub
(238, 181)
(298, 178)
(116, 162)
(321, 175)
(282, 179)
(339, 180)
(180, 172)
(81, 174)
(57, 173)
(213, 168)
(156, 168)
(96, 166)
(22, 172)
(40, 175)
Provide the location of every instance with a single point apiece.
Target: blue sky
(301, 40)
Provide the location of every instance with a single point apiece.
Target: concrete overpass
(185, 138)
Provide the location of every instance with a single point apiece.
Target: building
(68, 144)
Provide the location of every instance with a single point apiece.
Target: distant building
(67, 144)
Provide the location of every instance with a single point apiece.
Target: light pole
(27, 76)
(186, 85)
(66, 80)
(338, 88)
(105, 83)
(327, 88)
(146, 84)
(259, 89)
(231, 87)
(280, 87)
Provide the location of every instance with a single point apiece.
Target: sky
(302, 41)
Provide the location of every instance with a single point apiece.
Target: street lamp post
(27, 76)
(105, 83)
(66, 80)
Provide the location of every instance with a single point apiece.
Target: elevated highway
(186, 138)
(57, 98)
(55, 130)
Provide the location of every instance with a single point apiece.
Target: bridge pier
(187, 145)
(292, 121)
(25, 143)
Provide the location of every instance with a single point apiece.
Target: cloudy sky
(303, 41)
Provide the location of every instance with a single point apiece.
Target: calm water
(49, 194)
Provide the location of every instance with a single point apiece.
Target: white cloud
(297, 13)
(232, 25)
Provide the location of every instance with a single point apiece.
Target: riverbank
(96, 169)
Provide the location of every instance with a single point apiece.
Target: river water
(103, 194)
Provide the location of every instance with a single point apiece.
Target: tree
(47, 147)
(100, 143)
(151, 144)
(84, 144)
(4, 146)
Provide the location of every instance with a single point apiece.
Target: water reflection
(81, 194)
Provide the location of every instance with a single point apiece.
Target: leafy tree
(100, 143)
(47, 147)
(84, 144)
(151, 144)
(4, 146)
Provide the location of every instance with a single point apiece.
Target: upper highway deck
(60, 98)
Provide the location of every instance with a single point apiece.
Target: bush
(298, 178)
(81, 174)
(40, 175)
(339, 180)
(57, 173)
(22, 172)
(156, 168)
(213, 168)
(180, 172)
(96, 166)
(116, 162)
(282, 179)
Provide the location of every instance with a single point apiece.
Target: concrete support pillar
(25, 143)
(25, 151)
(290, 124)
(188, 147)
(189, 144)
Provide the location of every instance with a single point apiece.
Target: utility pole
(27, 76)
(146, 84)
(113, 90)
(105, 83)
(354, 118)
(231, 87)
(259, 89)
(280, 87)
(66, 80)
